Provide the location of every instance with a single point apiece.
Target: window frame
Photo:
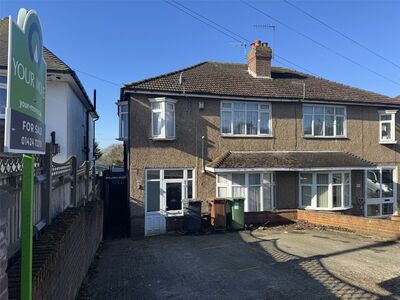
(314, 184)
(324, 136)
(229, 186)
(3, 86)
(392, 123)
(259, 112)
(381, 200)
(123, 136)
(163, 101)
(185, 187)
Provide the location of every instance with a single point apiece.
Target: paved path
(305, 264)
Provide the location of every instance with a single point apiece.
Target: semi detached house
(279, 138)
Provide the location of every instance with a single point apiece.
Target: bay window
(325, 190)
(324, 121)
(256, 188)
(387, 126)
(245, 119)
(123, 114)
(162, 118)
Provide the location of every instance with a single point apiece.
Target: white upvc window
(381, 191)
(324, 121)
(246, 119)
(3, 96)
(325, 190)
(256, 188)
(387, 121)
(123, 113)
(163, 118)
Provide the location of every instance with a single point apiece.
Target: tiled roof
(232, 79)
(288, 160)
(54, 63)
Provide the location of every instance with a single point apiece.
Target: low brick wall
(3, 259)
(279, 217)
(367, 226)
(63, 253)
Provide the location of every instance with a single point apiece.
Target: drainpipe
(94, 124)
(203, 169)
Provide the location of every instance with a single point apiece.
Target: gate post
(73, 181)
(87, 178)
(48, 183)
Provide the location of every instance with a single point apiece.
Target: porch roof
(287, 161)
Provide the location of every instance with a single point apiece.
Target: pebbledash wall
(192, 123)
(63, 254)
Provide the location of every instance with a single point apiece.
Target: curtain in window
(267, 191)
(322, 196)
(254, 198)
(170, 116)
(239, 122)
(157, 123)
(264, 123)
(226, 122)
(252, 122)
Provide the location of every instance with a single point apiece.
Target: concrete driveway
(265, 264)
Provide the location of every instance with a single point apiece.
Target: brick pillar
(3, 259)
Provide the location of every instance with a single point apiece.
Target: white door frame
(380, 200)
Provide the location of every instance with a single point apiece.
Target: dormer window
(387, 126)
(123, 114)
(162, 118)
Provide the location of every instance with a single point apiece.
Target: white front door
(165, 190)
(380, 190)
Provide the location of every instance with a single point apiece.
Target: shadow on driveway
(243, 265)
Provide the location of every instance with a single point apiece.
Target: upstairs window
(123, 114)
(324, 121)
(163, 118)
(387, 126)
(245, 119)
(3, 96)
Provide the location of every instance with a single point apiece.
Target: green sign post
(25, 120)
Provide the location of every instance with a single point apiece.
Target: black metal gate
(116, 205)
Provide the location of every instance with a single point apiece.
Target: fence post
(93, 183)
(87, 178)
(74, 181)
(48, 183)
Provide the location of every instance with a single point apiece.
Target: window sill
(387, 142)
(325, 137)
(162, 138)
(327, 209)
(268, 136)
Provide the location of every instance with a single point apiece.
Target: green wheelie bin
(236, 217)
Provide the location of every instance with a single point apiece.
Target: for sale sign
(26, 86)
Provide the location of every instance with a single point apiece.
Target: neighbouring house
(69, 111)
(279, 138)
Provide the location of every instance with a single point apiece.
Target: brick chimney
(259, 60)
